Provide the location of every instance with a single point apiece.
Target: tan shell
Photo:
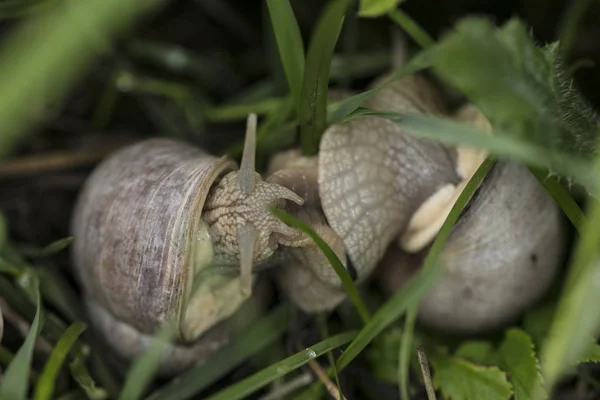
(500, 258)
(373, 176)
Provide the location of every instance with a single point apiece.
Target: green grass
(538, 119)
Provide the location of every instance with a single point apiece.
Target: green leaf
(377, 8)
(520, 87)
(516, 356)
(290, 45)
(254, 340)
(459, 379)
(16, 377)
(593, 356)
(383, 355)
(262, 378)
(477, 351)
(537, 321)
(335, 262)
(49, 250)
(146, 365)
(313, 108)
(80, 374)
(44, 388)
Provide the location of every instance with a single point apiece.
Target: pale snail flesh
(149, 220)
(382, 189)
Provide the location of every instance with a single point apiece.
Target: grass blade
(70, 30)
(376, 8)
(80, 374)
(290, 45)
(49, 250)
(575, 321)
(431, 263)
(342, 110)
(144, 368)
(412, 28)
(335, 262)
(44, 388)
(256, 338)
(313, 108)
(450, 132)
(563, 198)
(16, 378)
(262, 378)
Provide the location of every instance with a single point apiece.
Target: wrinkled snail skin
(373, 176)
(149, 219)
(305, 274)
(501, 257)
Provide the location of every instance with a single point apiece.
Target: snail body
(150, 223)
(386, 193)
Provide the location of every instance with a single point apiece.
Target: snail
(156, 227)
(383, 194)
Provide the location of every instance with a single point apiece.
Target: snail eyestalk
(246, 177)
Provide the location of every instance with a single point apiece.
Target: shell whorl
(499, 259)
(373, 176)
(132, 229)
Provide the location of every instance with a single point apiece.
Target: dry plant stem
(44, 163)
(329, 385)
(426, 373)
(283, 390)
(13, 318)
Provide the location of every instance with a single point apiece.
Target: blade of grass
(563, 198)
(44, 388)
(324, 330)
(3, 231)
(569, 26)
(290, 45)
(49, 250)
(411, 27)
(342, 110)
(15, 382)
(450, 132)
(144, 368)
(431, 264)
(376, 8)
(575, 320)
(262, 378)
(68, 31)
(80, 374)
(335, 262)
(313, 108)
(255, 339)
(18, 8)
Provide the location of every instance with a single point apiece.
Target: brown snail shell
(150, 223)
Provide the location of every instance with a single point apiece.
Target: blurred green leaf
(383, 355)
(145, 366)
(529, 96)
(377, 8)
(290, 45)
(517, 357)
(47, 53)
(460, 379)
(44, 388)
(80, 374)
(335, 262)
(3, 231)
(254, 340)
(51, 249)
(477, 351)
(313, 108)
(262, 378)
(412, 28)
(16, 377)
